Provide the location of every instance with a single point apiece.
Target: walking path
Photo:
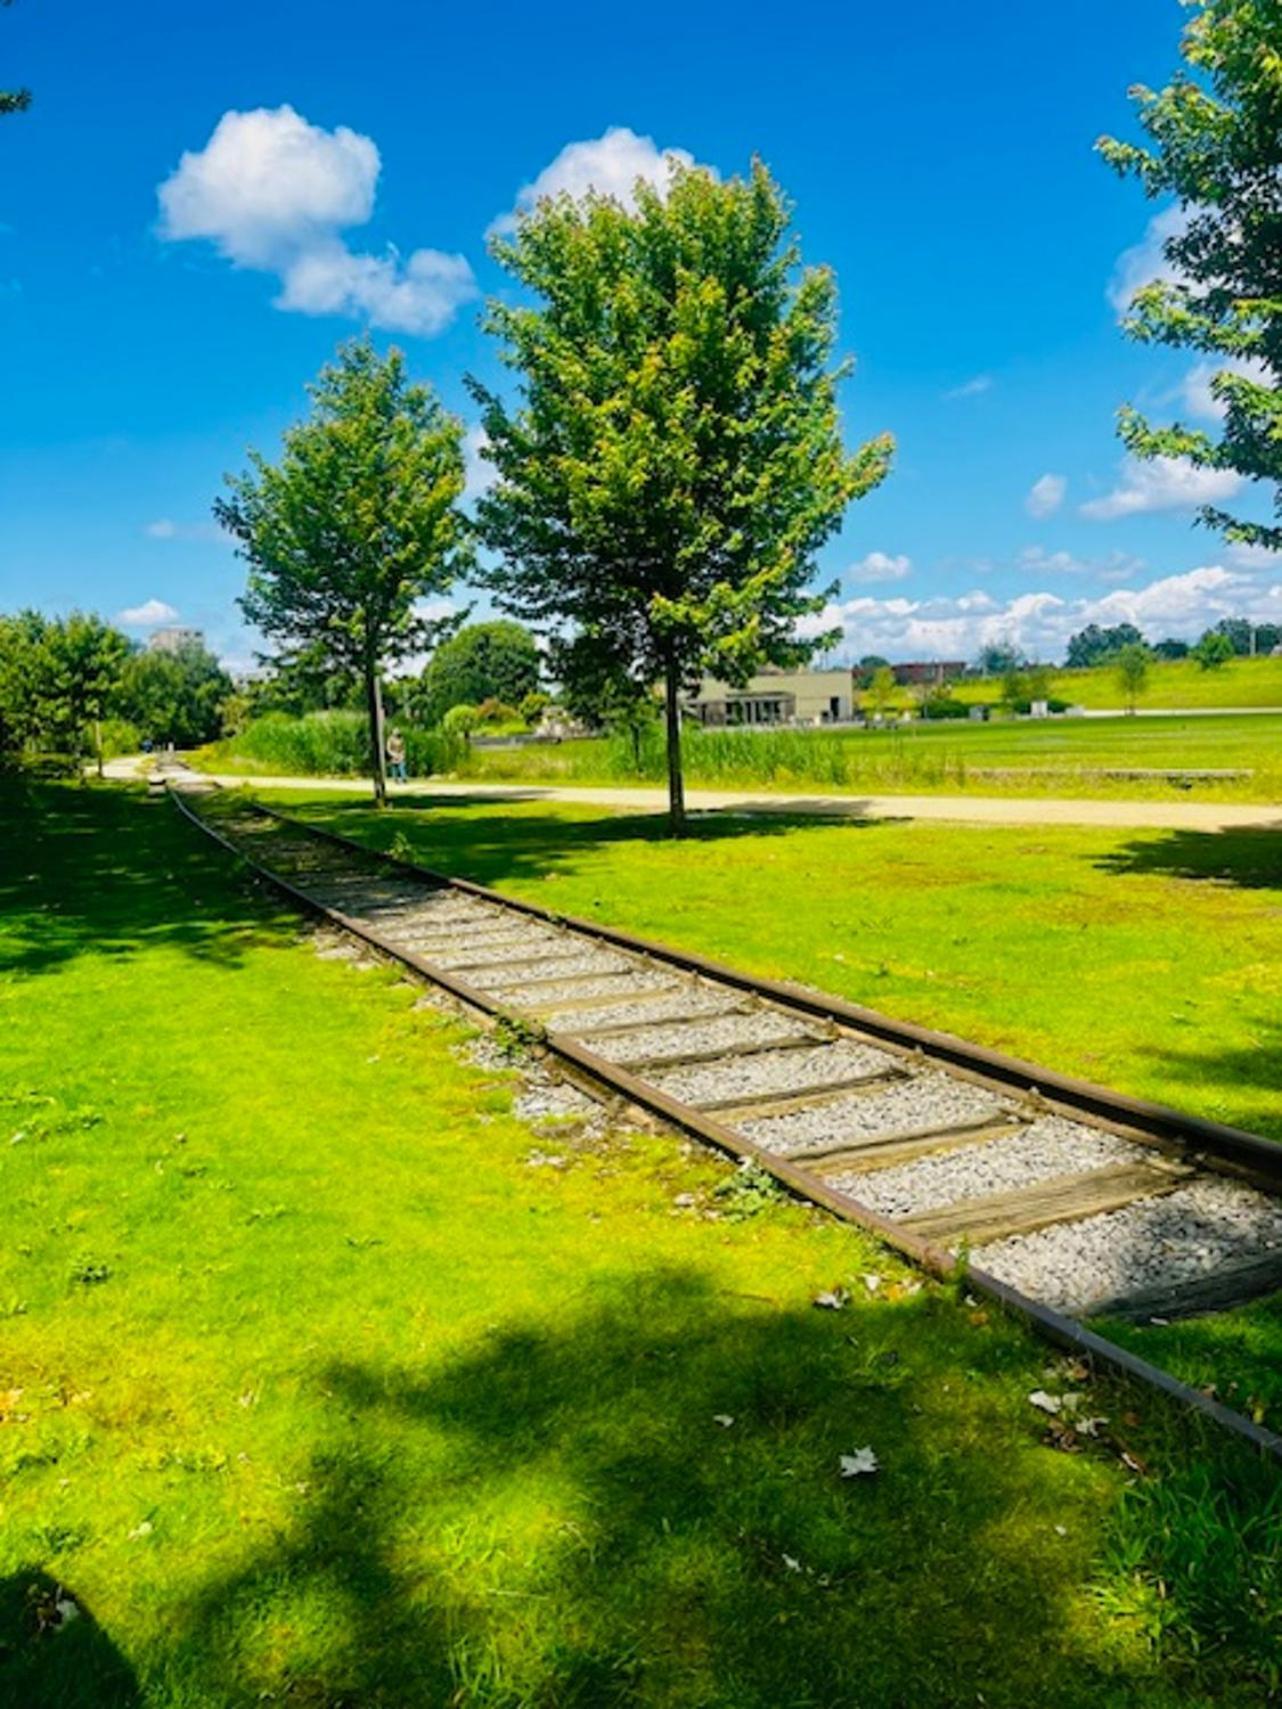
(956, 809)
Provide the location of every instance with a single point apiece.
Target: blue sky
(940, 158)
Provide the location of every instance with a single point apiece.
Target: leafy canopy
(675, 459)
(484, 661)
(357, 521)
(1216, 136)
(176, 695)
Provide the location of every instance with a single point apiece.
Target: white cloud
(273, 192)
(1161, 483)
(1196, 391)
(147, 615)
(165, 528)
(1116, 567)
(1145, 261)
(610, 165)
(1046, 495)
(1039, 621)
(1246, 557)
(881, 567)
(972, 388)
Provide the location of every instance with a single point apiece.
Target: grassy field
(1149, 961)
(1062, 757)
(1173, 684)
(317, 1392)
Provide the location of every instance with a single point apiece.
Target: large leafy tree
(674, 459)
(13, 100)
(355, 525)
(176, 694)
(484, 661)
(84, 665)
(1216, 146)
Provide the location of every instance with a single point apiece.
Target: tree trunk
(97, 743)
(378, 752)
(676, 784)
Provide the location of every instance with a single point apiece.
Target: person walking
(396, 758)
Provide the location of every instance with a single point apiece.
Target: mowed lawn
(1086, 758)
(318, 1388)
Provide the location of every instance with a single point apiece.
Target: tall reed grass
(334, 744)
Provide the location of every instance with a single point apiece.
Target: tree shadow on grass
(642, 1507)
(1248, 859)
(1238, 1071)
(105, 871)
(465, 837)
(53, 1653)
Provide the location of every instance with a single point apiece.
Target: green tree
(85, 659)
(1014, 689)
(1096, 646)
(13, 100)
(1171, 649)
(484, 661)
(674, 461)
(882, 690)
(1216, 136)
(999, 658)
(22, 671)
(1130, 667)
(1213, 651)
(355, 525)
(176, 694)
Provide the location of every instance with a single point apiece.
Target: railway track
(1064, 1200)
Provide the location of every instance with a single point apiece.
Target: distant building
(933, 672)
(777, 697)
(173, 639)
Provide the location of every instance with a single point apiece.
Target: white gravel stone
(499, 954)
(720, 1033)
(927, 1100)
(1153, 1243)
(776, 1071)
(691, 1000)
(588, 961)
(1046, 1148)
(636, 985)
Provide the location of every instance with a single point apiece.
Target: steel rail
(1054, 1326)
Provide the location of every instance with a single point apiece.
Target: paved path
(963, 809)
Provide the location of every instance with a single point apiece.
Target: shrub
(944, 706)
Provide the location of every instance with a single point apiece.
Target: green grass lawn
(1148, 961)
(1058, 757)
(1172, 684)
(316, 1392)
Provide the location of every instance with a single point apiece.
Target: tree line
(66, 681)
(669, 461)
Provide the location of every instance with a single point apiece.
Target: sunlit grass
(315, 1392)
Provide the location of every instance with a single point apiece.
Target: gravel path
(1046, 1148)
(721, 1033)
(928, 1100)
(1153, 1243)
(777, 1071)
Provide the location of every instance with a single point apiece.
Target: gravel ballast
(776, 1071)
(928, 1100)
(500, 954)
(588, 961)
(690, 1000)
(1046, 1148)
(635, 985)
(1152, 1244)
(722, 1033)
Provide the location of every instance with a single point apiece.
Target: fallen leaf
(832, 1300)
(855, 1465)
(872, 1283)
(1046, 1402)
(724, 1419)
(791, 1564)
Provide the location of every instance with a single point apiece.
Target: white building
(777, 697)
